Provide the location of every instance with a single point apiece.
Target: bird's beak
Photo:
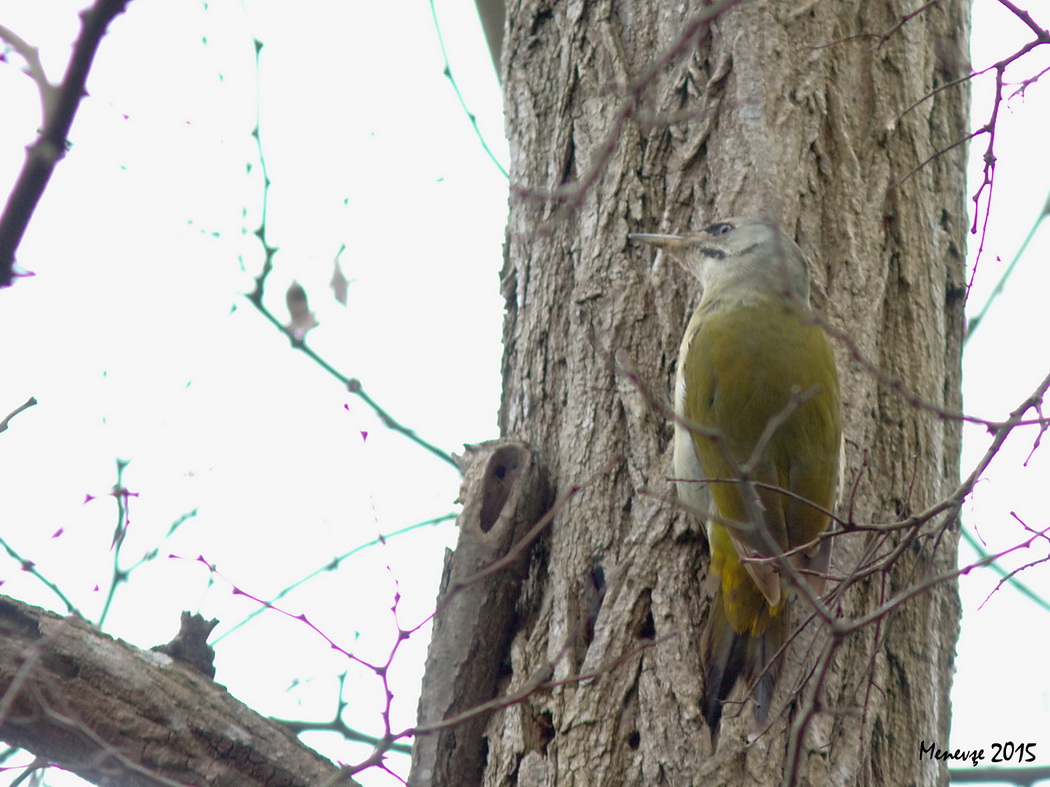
(660, 241)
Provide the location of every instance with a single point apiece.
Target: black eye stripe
(716, 254)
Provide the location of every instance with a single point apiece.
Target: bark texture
(117, 715)
(792, 111)
(504, 494)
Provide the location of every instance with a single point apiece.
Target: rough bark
(505, 493)
(790, 111)
(117, 715)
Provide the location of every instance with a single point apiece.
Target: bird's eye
(719, 229)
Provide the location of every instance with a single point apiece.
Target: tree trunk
(795, 112)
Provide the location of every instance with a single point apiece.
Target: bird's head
(739, 259)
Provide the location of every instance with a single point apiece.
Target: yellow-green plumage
(744, 368)
(752, 355)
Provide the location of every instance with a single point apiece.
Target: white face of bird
(738, 257)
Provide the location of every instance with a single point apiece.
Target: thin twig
(24, 406)
(255, 297)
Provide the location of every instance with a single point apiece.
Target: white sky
(1002, 692)
(126, 337)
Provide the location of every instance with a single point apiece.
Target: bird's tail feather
(729, 656)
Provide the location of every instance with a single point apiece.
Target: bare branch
(126, 716)
(1025, 17)
(298, 342)
(50, 147)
